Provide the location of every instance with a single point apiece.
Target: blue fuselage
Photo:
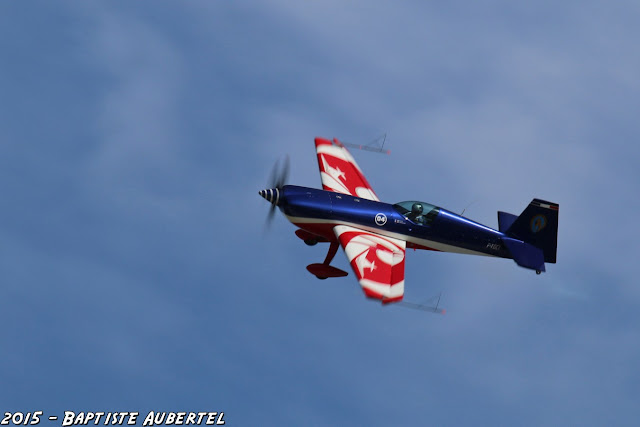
(317, 211)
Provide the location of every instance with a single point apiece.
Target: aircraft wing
(377, 261)
(340, 172)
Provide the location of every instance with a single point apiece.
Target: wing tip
(321, 141)
(391, 300)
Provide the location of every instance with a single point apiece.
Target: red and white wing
(340, 172)
(377, 260)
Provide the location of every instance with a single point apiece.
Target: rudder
(538, 226)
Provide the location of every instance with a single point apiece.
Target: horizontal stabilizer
(525, 254)
(505, 220)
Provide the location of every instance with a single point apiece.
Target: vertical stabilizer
(538, 226)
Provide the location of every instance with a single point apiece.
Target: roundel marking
(381, 219)
(538, 222)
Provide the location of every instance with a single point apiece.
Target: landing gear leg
(538, 271)
(332, 252)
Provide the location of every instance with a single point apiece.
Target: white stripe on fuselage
(408, 238)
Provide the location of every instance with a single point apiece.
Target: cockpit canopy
(420, 213)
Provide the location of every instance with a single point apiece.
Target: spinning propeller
(277, 180)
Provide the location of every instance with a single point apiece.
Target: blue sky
(135, 273)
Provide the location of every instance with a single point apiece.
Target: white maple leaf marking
(334, 173)
(362, 262)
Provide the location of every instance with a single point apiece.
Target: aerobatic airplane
(375, 235)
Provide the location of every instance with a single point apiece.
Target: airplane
(375, 235)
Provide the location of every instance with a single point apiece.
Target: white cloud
(140, 76)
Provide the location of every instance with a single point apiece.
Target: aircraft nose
(271, 195)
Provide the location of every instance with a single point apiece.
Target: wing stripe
(339, 171)
(377, 261)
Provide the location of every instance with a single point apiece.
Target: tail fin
(538, 226)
